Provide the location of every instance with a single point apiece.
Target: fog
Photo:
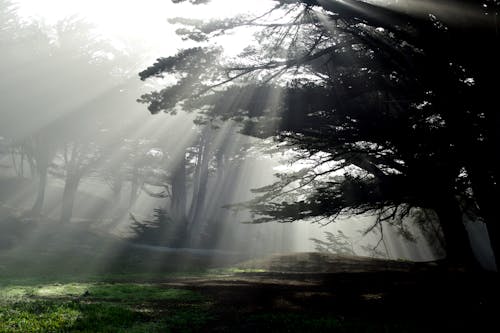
(88, 175)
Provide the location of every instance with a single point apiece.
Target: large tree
(393, 108)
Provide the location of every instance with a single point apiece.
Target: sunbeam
(263, 166)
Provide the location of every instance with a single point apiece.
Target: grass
(148, 308)
(231, 299)
(141, 292)
(100, 307)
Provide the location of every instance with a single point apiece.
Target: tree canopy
(393, 108)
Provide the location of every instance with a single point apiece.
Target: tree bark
(487, 197)
(196, 211)
(457, 243)
(41, 155)
(69, 195)
(178, 202)
(40, 197)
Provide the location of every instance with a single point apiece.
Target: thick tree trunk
(494, 235)
(40, 197)
(197, 214)
(116, 212)
(200, 183)
(69, 195)
(487, 197)
(197, 211)
(42, 155)
(488, 203)
(178, 202)
(457, 243)
(179, 192)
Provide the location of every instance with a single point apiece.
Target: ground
(71, 278)
(306, 292)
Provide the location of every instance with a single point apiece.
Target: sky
(143, 22)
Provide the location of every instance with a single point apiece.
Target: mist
(81, 158)
(132, 158)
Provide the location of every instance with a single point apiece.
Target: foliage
(389, 121)
(158, 231)
(337, 243)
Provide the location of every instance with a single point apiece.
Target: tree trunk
(196, 210)
(69, 195)
(40, 197)
(116, 187)
(494, 235)
(178, 200)
(195, 227)
(487, 197)
(42, 156)
(196, 185)
(457, 243)
(487, 202)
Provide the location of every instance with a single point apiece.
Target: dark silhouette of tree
(157, 231)
(337, 243)
(41, 149)
(192, 177)
(392, 108)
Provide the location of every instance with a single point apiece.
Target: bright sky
(128, 21)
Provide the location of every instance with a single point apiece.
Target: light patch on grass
(61, 290)
(37, 317)
(14, 293)
(17, 293)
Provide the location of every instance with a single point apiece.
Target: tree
(41, 149)
(57, 127)
(19, 42)
(335, 243)
(366, 92)
(191, 176)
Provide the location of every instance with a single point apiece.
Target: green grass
(141, 292)
(100, 307)
(104, 278)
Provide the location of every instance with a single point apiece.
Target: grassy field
(254, 297)
(132, 307)
(101, 307)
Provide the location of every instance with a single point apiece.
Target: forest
(268, 165)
